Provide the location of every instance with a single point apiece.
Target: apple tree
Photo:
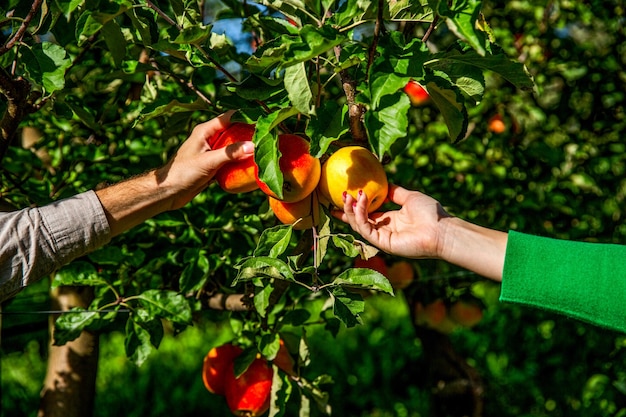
(97, 91)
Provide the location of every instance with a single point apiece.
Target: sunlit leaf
(263, 267)
(347, 306)
(169, 305)
(364, 278)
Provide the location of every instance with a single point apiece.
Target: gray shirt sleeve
(36, 241)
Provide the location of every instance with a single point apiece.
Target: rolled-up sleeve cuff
(78, 228)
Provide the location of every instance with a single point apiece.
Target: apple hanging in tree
(417, 94)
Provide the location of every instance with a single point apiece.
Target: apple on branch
(353, 169)
(300, 169)
(417, 93)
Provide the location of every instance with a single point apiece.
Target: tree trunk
(70, 384)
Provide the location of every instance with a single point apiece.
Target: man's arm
(36, 241)
(131, 202)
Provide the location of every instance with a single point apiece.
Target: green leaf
(452, 108)
(107, 255)
(296, 317)
(389, 123)
(266, 154)
(274, 241)
(144, 22)
(243, 361)
(68, 326)
(196, 34)
(288, 50)
(169, 305)
(395, 66)
(325, 127)
(364, 278)
(262, 300)
(263, 267)
(256, 87)
(352, 247)
(280, 393)
(513, 71)
(270, 54)
(461, 17)
(269, 345)
(196, 270)
(298, 89)
(314, 42)
(139, 340)
(159, 109)
(115, 41)
(78, 273)
(347, 306)
(46, 64)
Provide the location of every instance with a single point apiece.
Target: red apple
(235, 176)
(250, 394)
(417, 94)
(216, 365)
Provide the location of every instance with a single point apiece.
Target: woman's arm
(421, 228)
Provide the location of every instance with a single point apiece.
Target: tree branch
(16, 92)
(22, 30)
(228, 302)
(355, 110)
(378, 28)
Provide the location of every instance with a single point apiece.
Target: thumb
(233, 152)
(398, 194)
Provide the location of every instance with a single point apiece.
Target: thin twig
(378, 28)
(430, 29)
(17, 37)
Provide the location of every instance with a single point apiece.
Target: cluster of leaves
(115, 80)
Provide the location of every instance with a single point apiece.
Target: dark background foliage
(557, 171)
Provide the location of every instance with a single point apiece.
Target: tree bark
(70, 384)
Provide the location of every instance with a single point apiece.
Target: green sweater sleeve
(586, 281)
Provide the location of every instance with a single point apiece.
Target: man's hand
(195, 164)
(186, 174)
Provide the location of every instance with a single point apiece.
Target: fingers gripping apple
(235, 176)
(353, 169)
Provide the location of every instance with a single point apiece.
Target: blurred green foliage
(557, 171)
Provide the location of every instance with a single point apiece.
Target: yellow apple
(352, 169)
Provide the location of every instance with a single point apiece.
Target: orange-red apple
(435, 316)
(301, 170)
(305, 212)
(496, 124)
(401, 274)
(249, 395)
(216, 365)
(283, 359)
(466, 313)
(352, 169)
(235, 176)
(377, 263)
(417, 94)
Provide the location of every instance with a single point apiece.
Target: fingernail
(248, 147)
(344, 195)
(360, 193)
(354, 204)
